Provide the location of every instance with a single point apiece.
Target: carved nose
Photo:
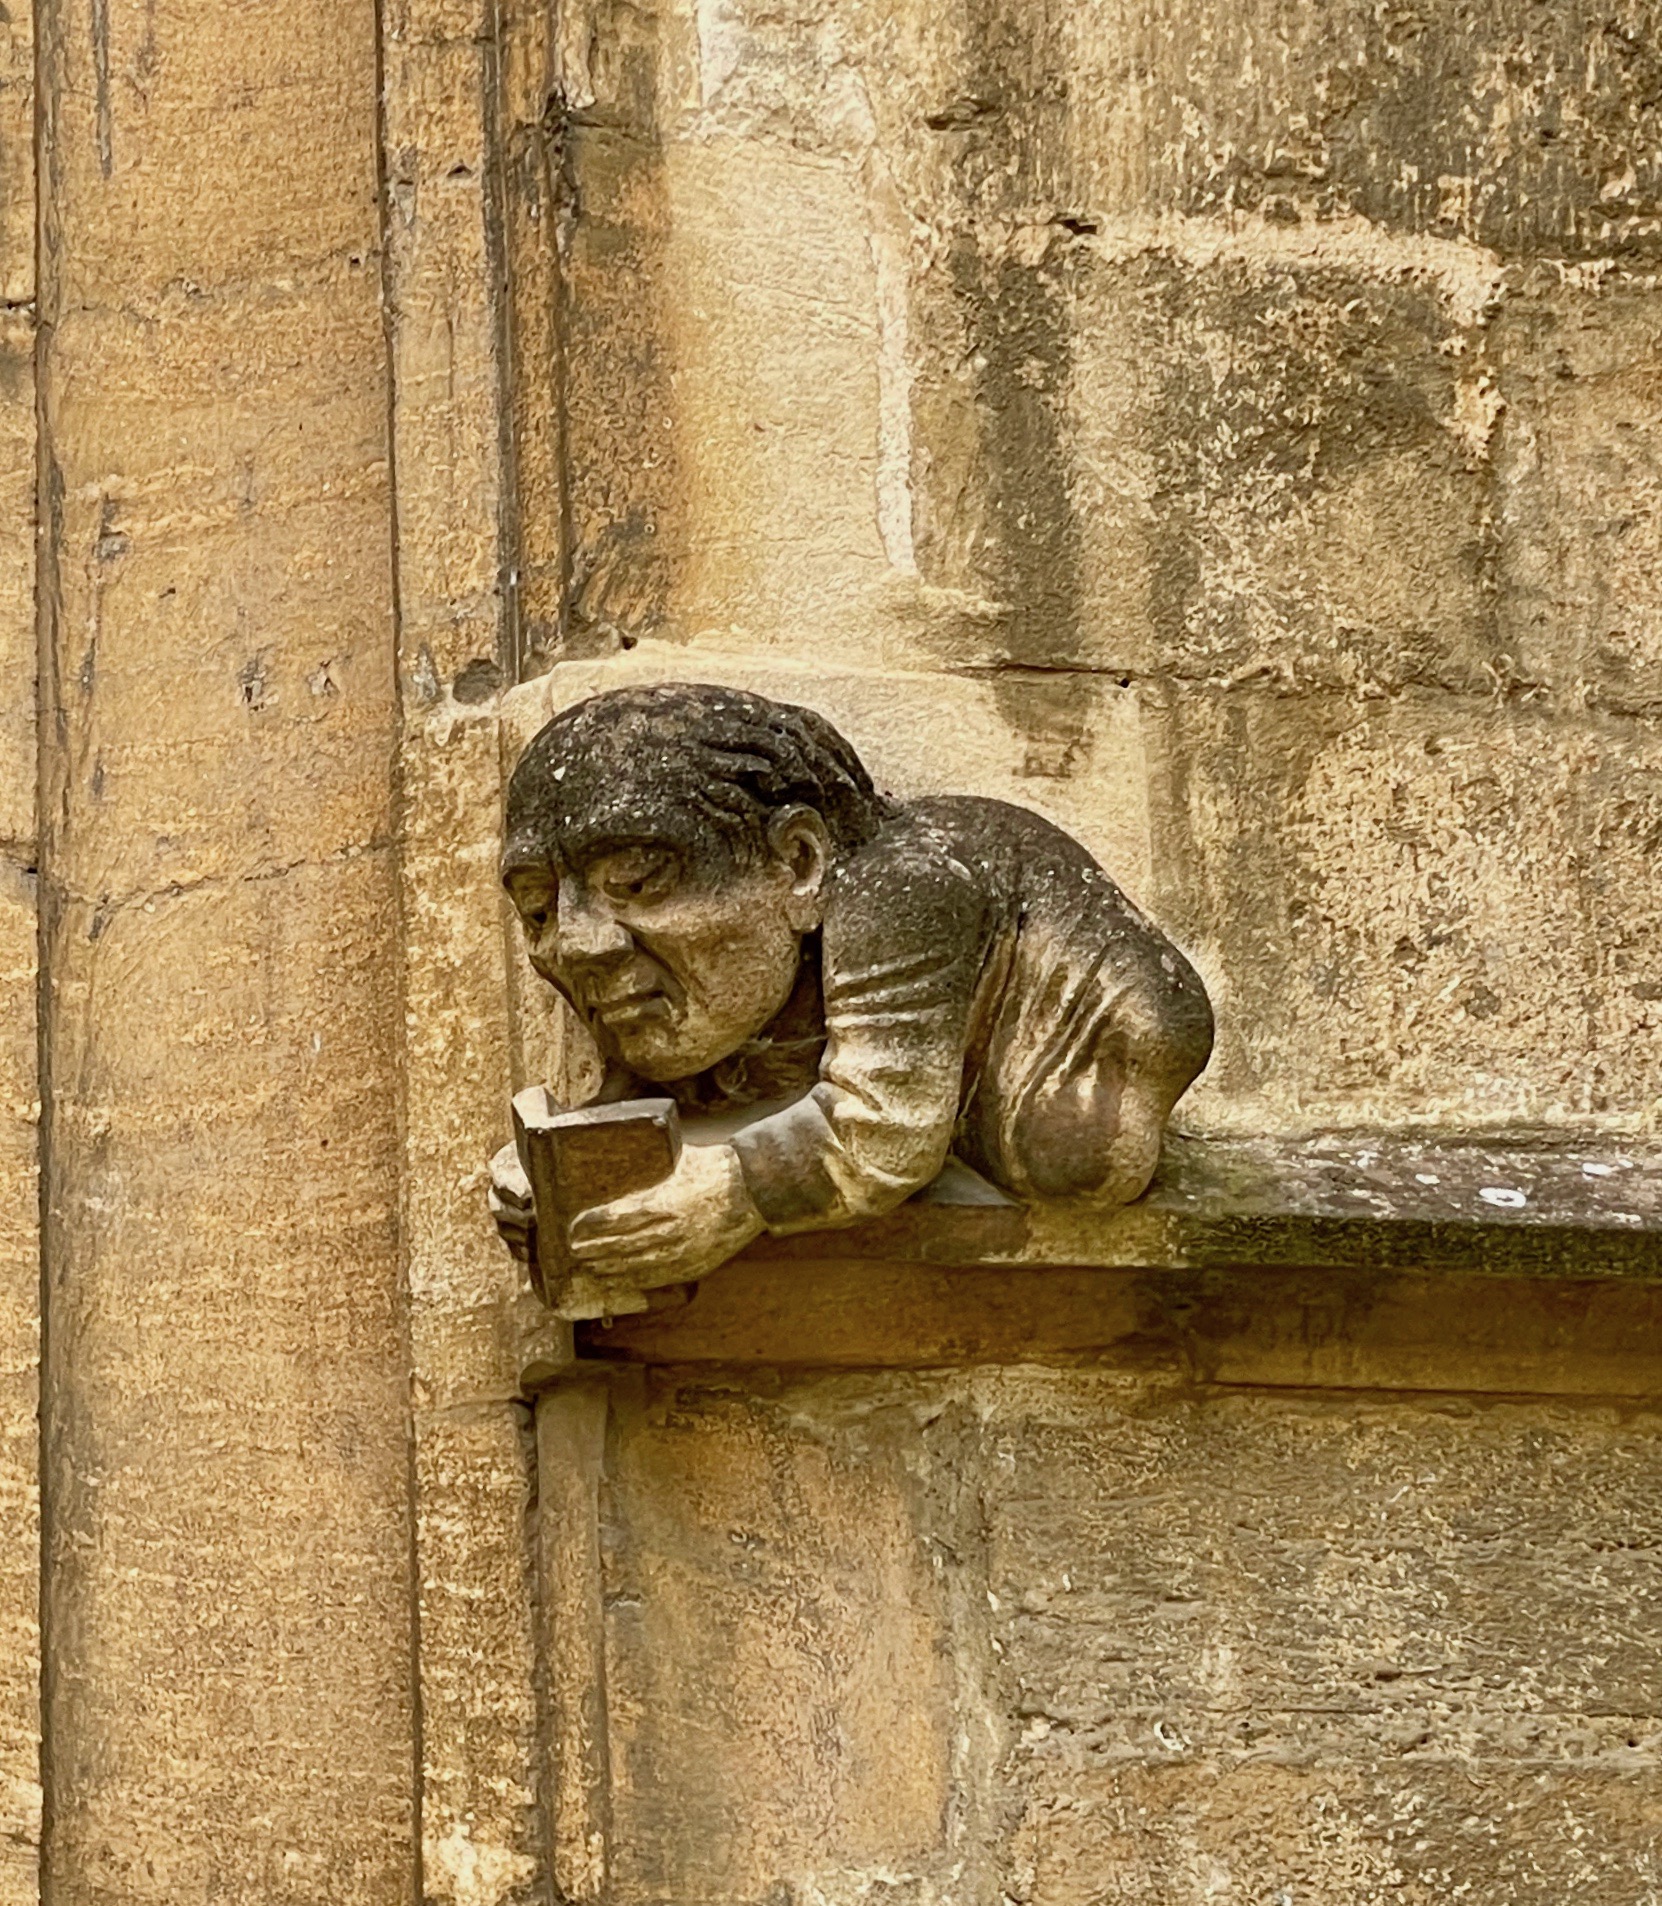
(585, 930)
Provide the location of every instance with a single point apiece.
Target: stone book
(576, 1160)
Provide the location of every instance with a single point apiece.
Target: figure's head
(667, 851)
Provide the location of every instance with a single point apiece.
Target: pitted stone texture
(19, 1396)
(229, 1684)
(1222, 1646)
(20, 1283)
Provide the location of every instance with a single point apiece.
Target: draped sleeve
(906, 934)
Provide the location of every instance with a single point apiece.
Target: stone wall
(19, 1186)
(1075, 1636)
(1230, 430)
(1142, 1587)
(1264, 398)
(1228, 436)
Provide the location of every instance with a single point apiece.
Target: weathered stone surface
(1229, 437)
(1399, 1642)
(229, 1691)
(1219, 1644)
(17, 583)
(474, 1477)
(1344, 1200)
(795, 1752)
(19, 1395)
(1073, 750)
(445, 316)
(1280, 382)
(1577, 562)
(473, 1470)
(1417, 920)
(481, 1829)
(20, 1662)
(1233, 437)
(1374, 1326)
(226, 1481)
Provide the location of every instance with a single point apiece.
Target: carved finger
(624, 1248)
(508, 1179)
(618, 1220)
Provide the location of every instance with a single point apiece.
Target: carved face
(673, 958)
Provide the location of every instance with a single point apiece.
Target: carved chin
(666, 1053)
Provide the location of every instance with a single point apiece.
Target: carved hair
(720, 756)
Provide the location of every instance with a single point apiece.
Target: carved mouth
(631, 1008)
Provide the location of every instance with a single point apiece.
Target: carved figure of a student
(739, 917)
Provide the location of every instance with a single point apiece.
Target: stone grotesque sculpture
(746, 925)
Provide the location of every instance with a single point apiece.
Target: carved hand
(674, 1231)
(510, 1202)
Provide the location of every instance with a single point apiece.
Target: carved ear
(799, 842)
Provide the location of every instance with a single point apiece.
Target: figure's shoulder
(1009, 843)
(918, 869)
(1039, 867)
(979, 820)
(940, 838)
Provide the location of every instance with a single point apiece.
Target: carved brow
(602, 846)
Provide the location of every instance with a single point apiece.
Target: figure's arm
(906, 933)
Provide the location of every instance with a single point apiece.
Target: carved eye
(535, 902)
(637, 874)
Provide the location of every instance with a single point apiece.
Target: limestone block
(154, 108)
(212, 408)
(17, 576)
(1373, 1832)
(1578, 554)
(1419, 914)
(230, 1701)
(19, 1397)
(775, 353)
(17, 158)
(228, 1523)
(20, 1283)
(1264, 1678)
(446, 421)
(1207, 1644)
(1507, 128)
(1504, 129)
(457, 1060)
(1272, 466)
(481, 1835)
(300, 697)
(624, 445)
(750, 1751)
(473, 1474)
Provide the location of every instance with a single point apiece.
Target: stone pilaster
(229, 1707)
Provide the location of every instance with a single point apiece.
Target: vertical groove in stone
(451, 442)
(229, 1695)
(533, 197)
(19, 1196)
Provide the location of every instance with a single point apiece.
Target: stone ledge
(1520, 1205)
(1348, 1260)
